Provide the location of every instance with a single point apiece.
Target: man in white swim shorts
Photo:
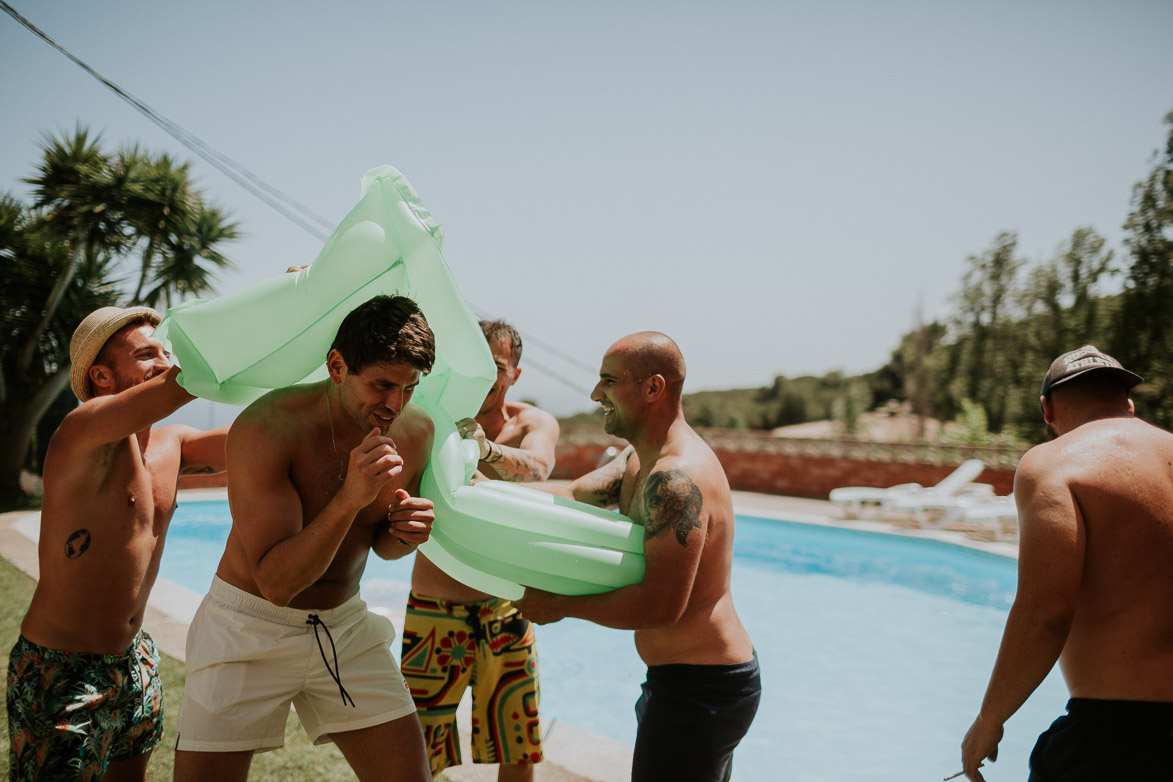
(319, 475)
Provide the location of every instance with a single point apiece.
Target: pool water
(875, 649)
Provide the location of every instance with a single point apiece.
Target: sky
(779, 186)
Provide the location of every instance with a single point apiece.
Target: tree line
(129, 227)
(983, 366)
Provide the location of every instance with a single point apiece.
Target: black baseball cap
(1089, 358)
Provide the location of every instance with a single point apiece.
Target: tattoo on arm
(672, 499)
(515, 464)
(77, 544)
(602, 486)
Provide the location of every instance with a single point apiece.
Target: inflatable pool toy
(493, 537)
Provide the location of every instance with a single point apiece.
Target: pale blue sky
(775, 185)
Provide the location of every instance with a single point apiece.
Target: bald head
(650, 353)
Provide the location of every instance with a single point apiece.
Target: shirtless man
(319, 475)
(703, 684)
(517, 444)
(84, 697)
(1095, 586)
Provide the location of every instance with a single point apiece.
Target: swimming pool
(875, 649)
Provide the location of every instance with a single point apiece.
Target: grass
(298, 760)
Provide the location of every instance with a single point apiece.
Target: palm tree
(181, 272)
(60, 259)
(34, 342)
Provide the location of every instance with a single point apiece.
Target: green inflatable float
(494, 537)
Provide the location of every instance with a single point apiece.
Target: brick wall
(809, 468)
(786, 466)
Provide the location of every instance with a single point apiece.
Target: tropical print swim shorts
(71, 714)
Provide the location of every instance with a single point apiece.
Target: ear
(336, 365)
(516, 374)
(1131, 407)
(654, 387)
(1048, 409)
(102, 379)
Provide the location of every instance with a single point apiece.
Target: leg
(506, 693)
(129, 770)
(392, 751)
(220, 766)
(437, 661)
(515, 772)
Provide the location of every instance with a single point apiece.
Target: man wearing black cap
(1095, 584)
(84, 697)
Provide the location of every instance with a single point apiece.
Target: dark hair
(500, 331)
(386, 330)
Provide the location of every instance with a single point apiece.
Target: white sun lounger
(866, 501)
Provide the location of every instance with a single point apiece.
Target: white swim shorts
(248, 659)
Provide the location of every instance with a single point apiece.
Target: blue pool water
(875, 649)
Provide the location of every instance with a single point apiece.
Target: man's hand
(411, 518)
(373, 463)
(981, 742)
(469, 429)
(541, 607)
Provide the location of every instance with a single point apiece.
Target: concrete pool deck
(572, 755)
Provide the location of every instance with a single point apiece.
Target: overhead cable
(230, 168)
(282, 203)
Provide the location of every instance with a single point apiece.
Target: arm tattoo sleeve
(672, 499)
(515, 464)
(603, 485)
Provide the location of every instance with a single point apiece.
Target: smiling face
(507, 374)
(618, 391)
(130, 357)
(375, 396)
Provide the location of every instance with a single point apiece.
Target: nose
(395, 400)
(596, 394)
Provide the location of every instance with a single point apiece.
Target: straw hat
(90, 337)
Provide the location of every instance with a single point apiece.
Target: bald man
(703, 683)
(1095, 586)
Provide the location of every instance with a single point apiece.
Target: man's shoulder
(277, 413)
(531, 415)
(414, 423)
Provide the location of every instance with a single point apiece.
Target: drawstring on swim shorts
(334, 672)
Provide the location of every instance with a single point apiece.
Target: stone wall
(809, 468)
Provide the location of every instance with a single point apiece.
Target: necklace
(333, 443)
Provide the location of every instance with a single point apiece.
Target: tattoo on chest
(77, 544)
(671, 499)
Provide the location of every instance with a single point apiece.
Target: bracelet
(494, 449)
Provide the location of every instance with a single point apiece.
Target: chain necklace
(333, 443)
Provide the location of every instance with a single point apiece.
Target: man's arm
(599, 487)
(532, 459)
(284, 556)
(674, 534)
(202, 451)
(409, 518)
(1050, 564)
(109, 419)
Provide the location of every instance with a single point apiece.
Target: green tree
(1144, 326)
(92, 214)
(988, 357)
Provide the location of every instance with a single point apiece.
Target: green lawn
(298, 760)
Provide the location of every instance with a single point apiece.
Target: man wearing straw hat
(84, 697)
(1095, 586)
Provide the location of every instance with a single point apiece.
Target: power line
(230, 168)
(282, 203)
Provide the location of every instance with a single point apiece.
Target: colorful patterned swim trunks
(448, 646)
(71, 714)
